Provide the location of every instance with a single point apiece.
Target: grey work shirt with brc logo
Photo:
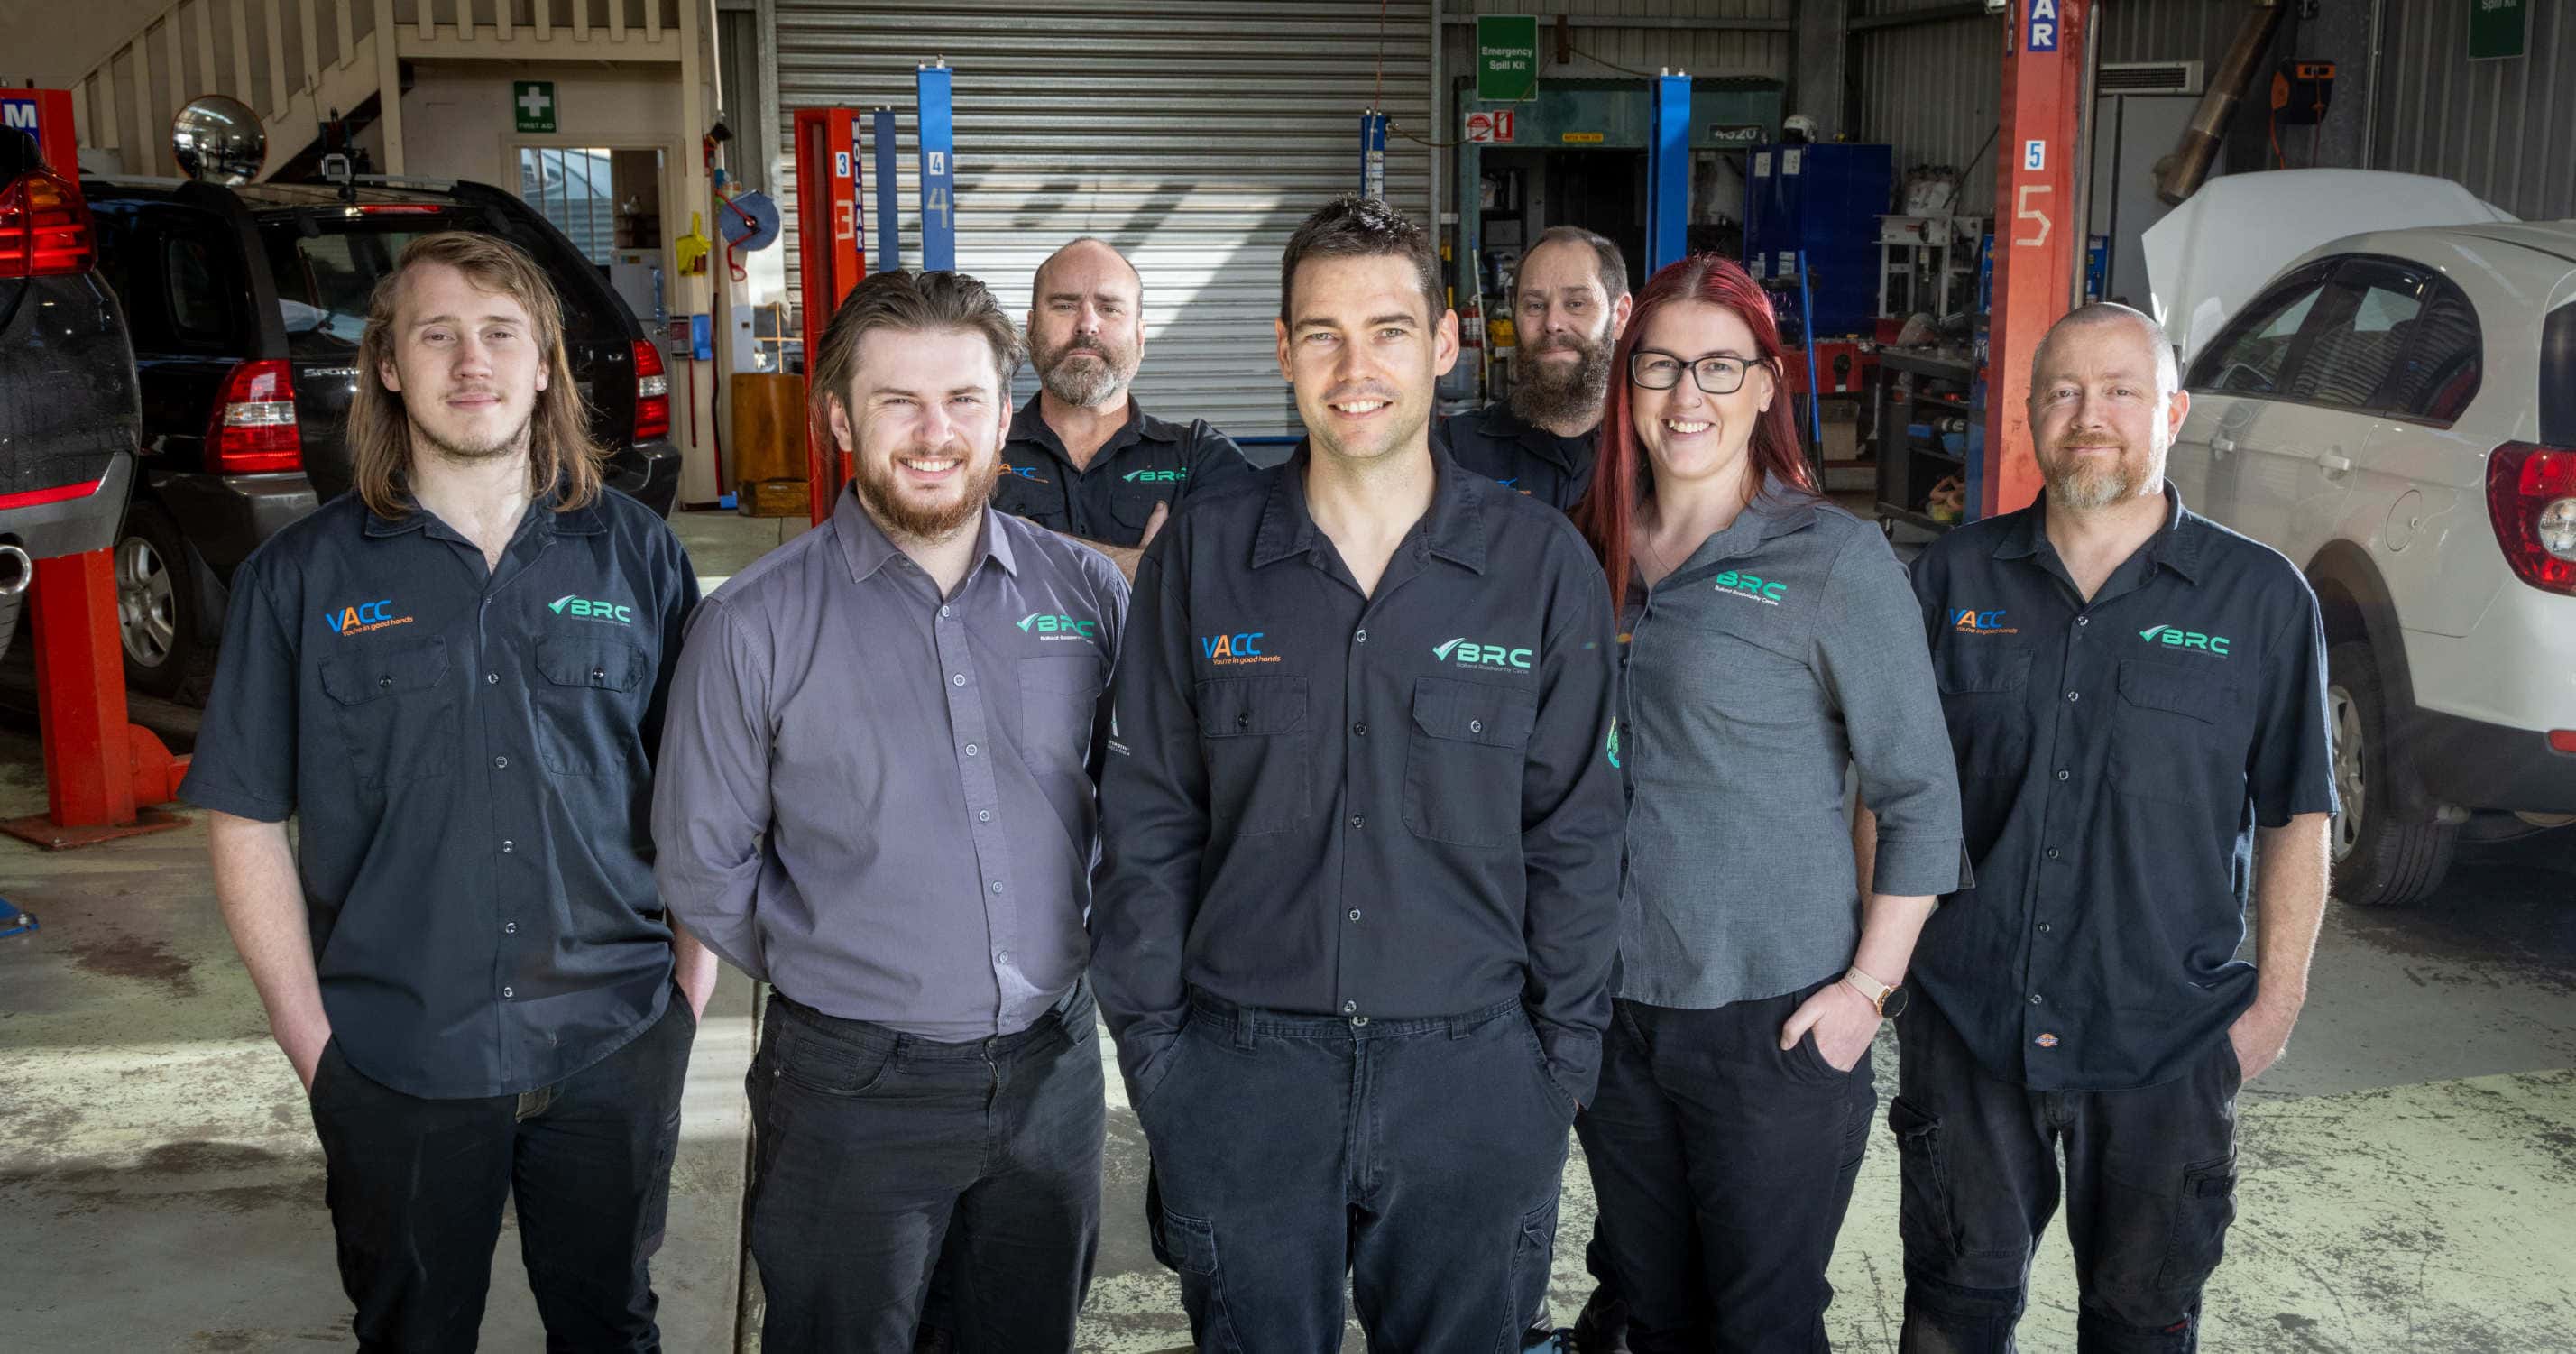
(1786, 649)
(469, 750)
(881, 800)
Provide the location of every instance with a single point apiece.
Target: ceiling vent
(2149, 77)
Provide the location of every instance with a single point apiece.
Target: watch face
(1893, 1004)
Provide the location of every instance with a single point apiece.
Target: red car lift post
(830, 225)
(2039, 235)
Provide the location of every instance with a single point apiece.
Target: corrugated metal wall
(2505, 129)
(1194, 136)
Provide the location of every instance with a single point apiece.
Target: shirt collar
(1454, 528)
(1030, 425)
(868, 549)
(2176, 544)
(582, 521)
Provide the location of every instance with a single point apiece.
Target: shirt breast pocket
(1058, 694)
(1985, 699)
(2177, 737)
(394, 711)
(1462, 772)
(1253, 733)
(587, 705)
(1022, 496)
(1132, 504)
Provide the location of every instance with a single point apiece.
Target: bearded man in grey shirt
(876, 792)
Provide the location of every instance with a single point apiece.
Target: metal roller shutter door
(1194, 136)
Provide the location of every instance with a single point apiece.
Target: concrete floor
(2409, 1171)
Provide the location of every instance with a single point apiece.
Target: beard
(1553, 393)
(2080, 487)
(473, 452)
(1084, 384)
(904, 518)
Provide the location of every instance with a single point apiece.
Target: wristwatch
(1888, 1001)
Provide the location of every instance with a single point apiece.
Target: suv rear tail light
(2562, 740)
(652, 393)
(253, 427)
(2531, 500)
(44, 227)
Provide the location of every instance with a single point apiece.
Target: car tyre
(2388, 849)
(156, 609)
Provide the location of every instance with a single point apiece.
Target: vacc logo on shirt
(1751, 587)
(2175, 637)
(1044, 626)
(365, 616)
(1976, 622)
(583, 608)
(1235, 650)
(1467, 653)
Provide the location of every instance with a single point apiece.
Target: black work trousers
(1418, 1158)
(1723, 1167)
(874, 1150)
(2149, 1182)
(416, 1188)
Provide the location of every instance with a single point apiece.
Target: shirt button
(1350, 1007)
(1475, 726)
(2083, 620)
(970, 749)
(2034, 999)
(384, 681)
(599, 674)
(2071, 695)
(507, 846)
(983, 815)
(1355, 914)
(491, 679)
(509, 928)
(1359, 730)
(997, 886)
(1001, 956)
(1360, 638)
(957, 679)
(500, 763)
(2061, 773)
(1243, 719)
(1359, 820)
(945, 612)
(2052, 853)
(507, 993)
(2043, 928)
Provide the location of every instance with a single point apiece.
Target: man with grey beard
(1569, 302)
(1083, 460)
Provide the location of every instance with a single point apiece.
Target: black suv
(67, 403)
(247, 303)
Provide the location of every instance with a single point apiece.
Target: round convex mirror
(218, 140)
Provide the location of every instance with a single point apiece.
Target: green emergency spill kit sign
(1507, 57)
(2498, 29)
(533, 102)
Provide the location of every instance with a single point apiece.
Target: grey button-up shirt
(881, 800)
(1786, 649)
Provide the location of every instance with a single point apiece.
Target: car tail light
(253, 427)
(44, 228)
(2563, 740)
(652, 393)
(2531, 500)
(401, 209)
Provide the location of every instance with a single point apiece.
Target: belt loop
(1242, 1029)
(1458, 1027)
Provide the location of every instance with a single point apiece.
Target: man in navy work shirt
(455, 677)
(1084, 459)
(877, 795)
(1570, 303)
(2136, 697)
(1359, 883)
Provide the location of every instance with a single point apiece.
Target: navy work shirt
(470, 752)
(2114, 757)
(1392, 805)
(1147, 461)
(1495, 443)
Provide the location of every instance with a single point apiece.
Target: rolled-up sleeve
(711, 801)
(1154, 823)
(1571, 816)
(1872, 654)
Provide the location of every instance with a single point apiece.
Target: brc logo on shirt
(1235, 649)
(1044, 626)
(365, 616)
(1468, 653)
(2175, 637)
(1751, 586)
(1156, 476)
(570, 605)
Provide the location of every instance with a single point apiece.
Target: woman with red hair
(1770, 646)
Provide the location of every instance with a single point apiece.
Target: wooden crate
(768, 441)
(773, 498)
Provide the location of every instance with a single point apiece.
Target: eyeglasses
(1655, 369)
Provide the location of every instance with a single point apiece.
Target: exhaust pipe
(16, 570)
(2181, 173)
